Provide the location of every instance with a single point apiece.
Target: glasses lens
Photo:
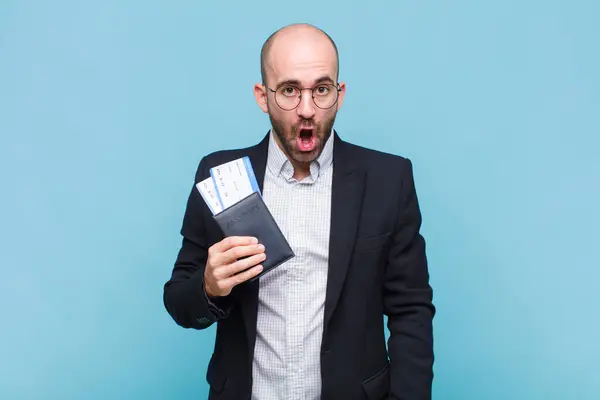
(287, 97)
(325, 96)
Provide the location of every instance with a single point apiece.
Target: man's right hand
(224, 269)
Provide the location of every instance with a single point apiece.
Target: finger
(235, 253)
(231, 269)
(233, 241)
(243, 276)
(215, 252)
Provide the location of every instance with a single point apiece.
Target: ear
(260, 93)
(341, 94)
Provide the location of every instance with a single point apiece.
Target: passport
(251, 217)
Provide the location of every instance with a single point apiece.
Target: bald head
(295, 61)
(293, 40)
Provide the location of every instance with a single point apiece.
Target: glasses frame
(312, 90)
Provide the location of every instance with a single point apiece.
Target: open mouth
(306, 139)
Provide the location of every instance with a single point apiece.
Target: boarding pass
(228, 183)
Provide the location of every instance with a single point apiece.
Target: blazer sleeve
(408, 301)
(183, 294)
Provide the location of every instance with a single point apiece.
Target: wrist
(209, 293)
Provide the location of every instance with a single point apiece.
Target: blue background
(106, 108)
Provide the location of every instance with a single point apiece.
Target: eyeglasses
(288, 96)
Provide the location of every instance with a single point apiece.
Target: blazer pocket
(371, 242)
(378, 386)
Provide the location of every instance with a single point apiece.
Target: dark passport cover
(251, 217)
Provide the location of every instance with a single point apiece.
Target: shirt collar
(279, 164)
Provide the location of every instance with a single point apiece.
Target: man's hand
(224, 269)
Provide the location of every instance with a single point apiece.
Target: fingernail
(261, 246)
(254, 240)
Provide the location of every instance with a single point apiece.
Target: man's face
(297, 62)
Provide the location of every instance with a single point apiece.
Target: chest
(303, 213)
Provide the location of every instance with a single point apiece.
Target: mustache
(304, 124)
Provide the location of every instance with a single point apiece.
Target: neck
(301, 170)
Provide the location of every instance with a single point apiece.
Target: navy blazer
(377, 267)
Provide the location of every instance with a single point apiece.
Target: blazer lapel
(249, 290)
(346, 201)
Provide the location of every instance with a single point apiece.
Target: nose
(306, 108)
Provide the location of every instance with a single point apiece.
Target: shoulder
(389, 180)
(379, 163)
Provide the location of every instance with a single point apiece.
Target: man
(313, 327)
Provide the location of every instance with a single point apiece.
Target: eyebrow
(296, 82)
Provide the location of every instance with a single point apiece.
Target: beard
(288, 136)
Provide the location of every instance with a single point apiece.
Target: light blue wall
(106, 108)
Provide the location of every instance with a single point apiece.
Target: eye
(288, 91)
(322, 90)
